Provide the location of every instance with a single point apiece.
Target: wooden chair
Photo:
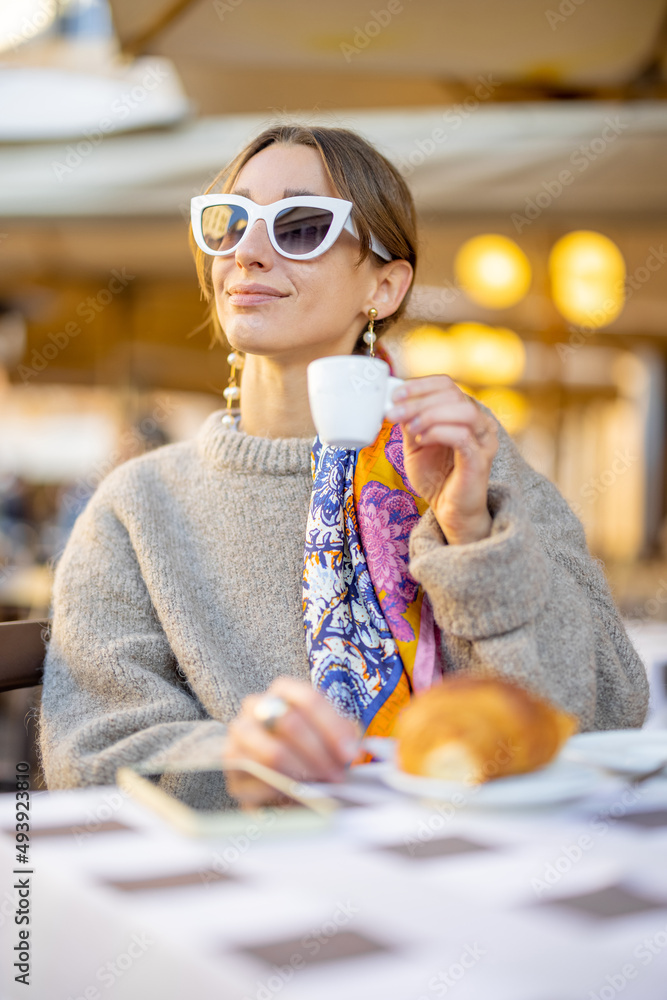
(22, 652)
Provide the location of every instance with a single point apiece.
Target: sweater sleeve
(113, 694)
(529, 603)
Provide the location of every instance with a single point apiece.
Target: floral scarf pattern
(370, 632)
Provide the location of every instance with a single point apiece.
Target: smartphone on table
(194, 798)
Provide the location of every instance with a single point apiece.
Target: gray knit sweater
(179, 593)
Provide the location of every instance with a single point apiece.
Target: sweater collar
(231, 449)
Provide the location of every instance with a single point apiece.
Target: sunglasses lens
(223, 226)
(301, 230)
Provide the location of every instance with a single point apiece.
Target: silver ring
(270, 710)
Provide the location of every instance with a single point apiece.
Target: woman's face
(317, 307)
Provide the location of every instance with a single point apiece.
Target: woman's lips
(253, 298)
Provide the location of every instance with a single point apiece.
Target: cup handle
(392, 384)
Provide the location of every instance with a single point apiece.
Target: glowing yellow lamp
(493, 271)
(488, 355)
(510, 407)
(587, 274)
(430, 350)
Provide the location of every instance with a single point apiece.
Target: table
(396, 901)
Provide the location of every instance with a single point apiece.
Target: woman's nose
(255, 248)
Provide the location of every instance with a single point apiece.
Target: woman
(179, 601)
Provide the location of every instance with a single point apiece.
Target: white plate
(382, 747)
(628, 750)
(561, 781)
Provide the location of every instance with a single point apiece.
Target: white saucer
(627, 750)
(560, 781)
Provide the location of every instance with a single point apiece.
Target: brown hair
(382, 201)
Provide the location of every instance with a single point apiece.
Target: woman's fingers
(450, 443)
(469, 441)
(448, 402)
(437, 412)
(247, 738)
(251, 792)
(297, 731)
(333, 738)
(425, 385)
(309, 742)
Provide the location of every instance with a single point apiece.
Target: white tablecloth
(481, 921)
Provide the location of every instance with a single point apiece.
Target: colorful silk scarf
(370, 632)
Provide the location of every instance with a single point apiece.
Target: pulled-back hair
(382, 201)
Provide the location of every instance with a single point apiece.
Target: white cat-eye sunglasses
(299, 228)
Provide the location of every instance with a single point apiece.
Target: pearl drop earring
(233, 390)
(370, 336)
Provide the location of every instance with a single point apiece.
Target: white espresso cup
(349, 398)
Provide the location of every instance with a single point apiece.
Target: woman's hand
(449, 443)
(311, 742)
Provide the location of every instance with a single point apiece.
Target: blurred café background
(533, 134)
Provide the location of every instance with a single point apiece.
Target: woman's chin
(251, 340)
(254, 343)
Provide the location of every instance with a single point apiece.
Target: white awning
(607, 158)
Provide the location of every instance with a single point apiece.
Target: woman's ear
(393, 281)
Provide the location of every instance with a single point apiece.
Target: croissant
(473, 730)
